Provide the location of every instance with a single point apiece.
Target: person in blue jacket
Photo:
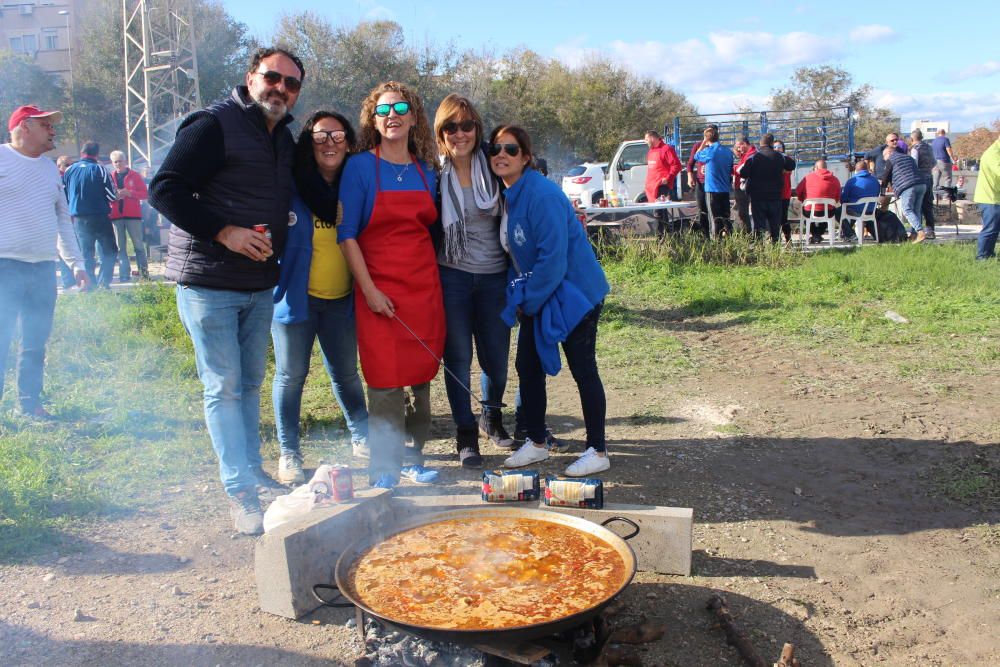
(718, 161)
(557, 296)
(314, 295)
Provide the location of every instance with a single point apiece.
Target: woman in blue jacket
(313, 298)
(558, 295)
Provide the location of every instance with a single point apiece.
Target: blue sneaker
(418, 474)
(385, 481)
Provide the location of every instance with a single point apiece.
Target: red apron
(400, 258)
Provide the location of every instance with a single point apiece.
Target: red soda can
(343, 483)
(263, 229)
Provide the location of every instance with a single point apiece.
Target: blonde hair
(420, 142)
(451, 108)
(115, 155)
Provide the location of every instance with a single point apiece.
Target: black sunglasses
(320, 136)
(401, 109)
(452, 127)
(292, 84)
(511, 149)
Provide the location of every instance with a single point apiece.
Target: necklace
(399, 174)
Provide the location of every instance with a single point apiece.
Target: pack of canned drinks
(501, 486)
(570, 492)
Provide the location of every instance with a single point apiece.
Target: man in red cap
(35, 229)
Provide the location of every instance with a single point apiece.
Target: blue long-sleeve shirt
(862, 184)
(718, 160)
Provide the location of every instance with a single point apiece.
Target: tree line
(572, 113)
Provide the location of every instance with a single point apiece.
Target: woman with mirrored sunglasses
(473, 268)
(557, 298)
(314, 293)
(388, 194)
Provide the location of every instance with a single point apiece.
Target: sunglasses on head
(454, 126)
(292, 84)
(401, 109)
(320, 136)
(510, 149)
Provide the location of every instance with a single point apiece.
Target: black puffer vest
(254, 188)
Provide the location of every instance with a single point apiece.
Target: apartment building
(43, 31)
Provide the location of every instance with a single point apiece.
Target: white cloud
(988, 68)
(963, 109)
(724, 61)
(380, 13)
(872, 33)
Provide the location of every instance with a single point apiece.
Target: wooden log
(787, 658)
(734, 635)
(639, 634)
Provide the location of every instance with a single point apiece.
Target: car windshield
(577, 170)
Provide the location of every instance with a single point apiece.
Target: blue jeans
(910, 200)
(28, 295)
(986, 246)
(332, 321)
(472, 306)
(580, 348)
(229, 330)
(91, 229)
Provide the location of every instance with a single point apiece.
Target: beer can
(343, 483)
(263, 229)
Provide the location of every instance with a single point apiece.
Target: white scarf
(453, 213)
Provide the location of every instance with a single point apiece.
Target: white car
(585, 182)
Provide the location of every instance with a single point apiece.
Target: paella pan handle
(629, 522)
(327, 603)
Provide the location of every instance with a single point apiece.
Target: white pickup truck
(626, 173)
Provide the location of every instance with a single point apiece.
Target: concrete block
(664, 541)
(294, 556)
(404, 507)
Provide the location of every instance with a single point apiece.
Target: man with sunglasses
(226, 186)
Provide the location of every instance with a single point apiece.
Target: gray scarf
(453, 214)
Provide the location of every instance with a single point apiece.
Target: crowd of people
(404, 244)
(401, 243)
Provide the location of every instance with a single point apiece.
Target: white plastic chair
(816, 217)
(859, 220)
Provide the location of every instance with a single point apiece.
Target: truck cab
(626, 173)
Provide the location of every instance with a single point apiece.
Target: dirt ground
(810, 475)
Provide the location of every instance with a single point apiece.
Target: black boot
(491, 424)
(467, 443)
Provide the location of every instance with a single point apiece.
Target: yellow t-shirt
(329, 277)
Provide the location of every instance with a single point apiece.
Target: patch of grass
(973, 481)
(636, 348)
(728, 429)
(834, 298)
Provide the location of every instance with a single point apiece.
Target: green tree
(23, 82)
(816, 88)
(222, 45)
(973, 144)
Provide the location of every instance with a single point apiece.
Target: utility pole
(161, 75)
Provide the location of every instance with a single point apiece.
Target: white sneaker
(290, 469)
(528, 453)
(589, 463)
(360, 449)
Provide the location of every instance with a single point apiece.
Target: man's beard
(274, 108)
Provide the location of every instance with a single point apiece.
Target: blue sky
(933, 60)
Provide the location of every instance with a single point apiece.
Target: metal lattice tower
(161, 75)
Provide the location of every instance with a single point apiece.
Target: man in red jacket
(126, 214)
(820, 183)
(662, 167)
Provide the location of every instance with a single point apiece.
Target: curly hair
(421, 140)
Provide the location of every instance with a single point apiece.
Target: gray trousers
(133, 228)
(942, 174)
(392, 416)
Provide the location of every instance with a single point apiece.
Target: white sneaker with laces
(589, 463)
(528, 453)
(290, 469)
